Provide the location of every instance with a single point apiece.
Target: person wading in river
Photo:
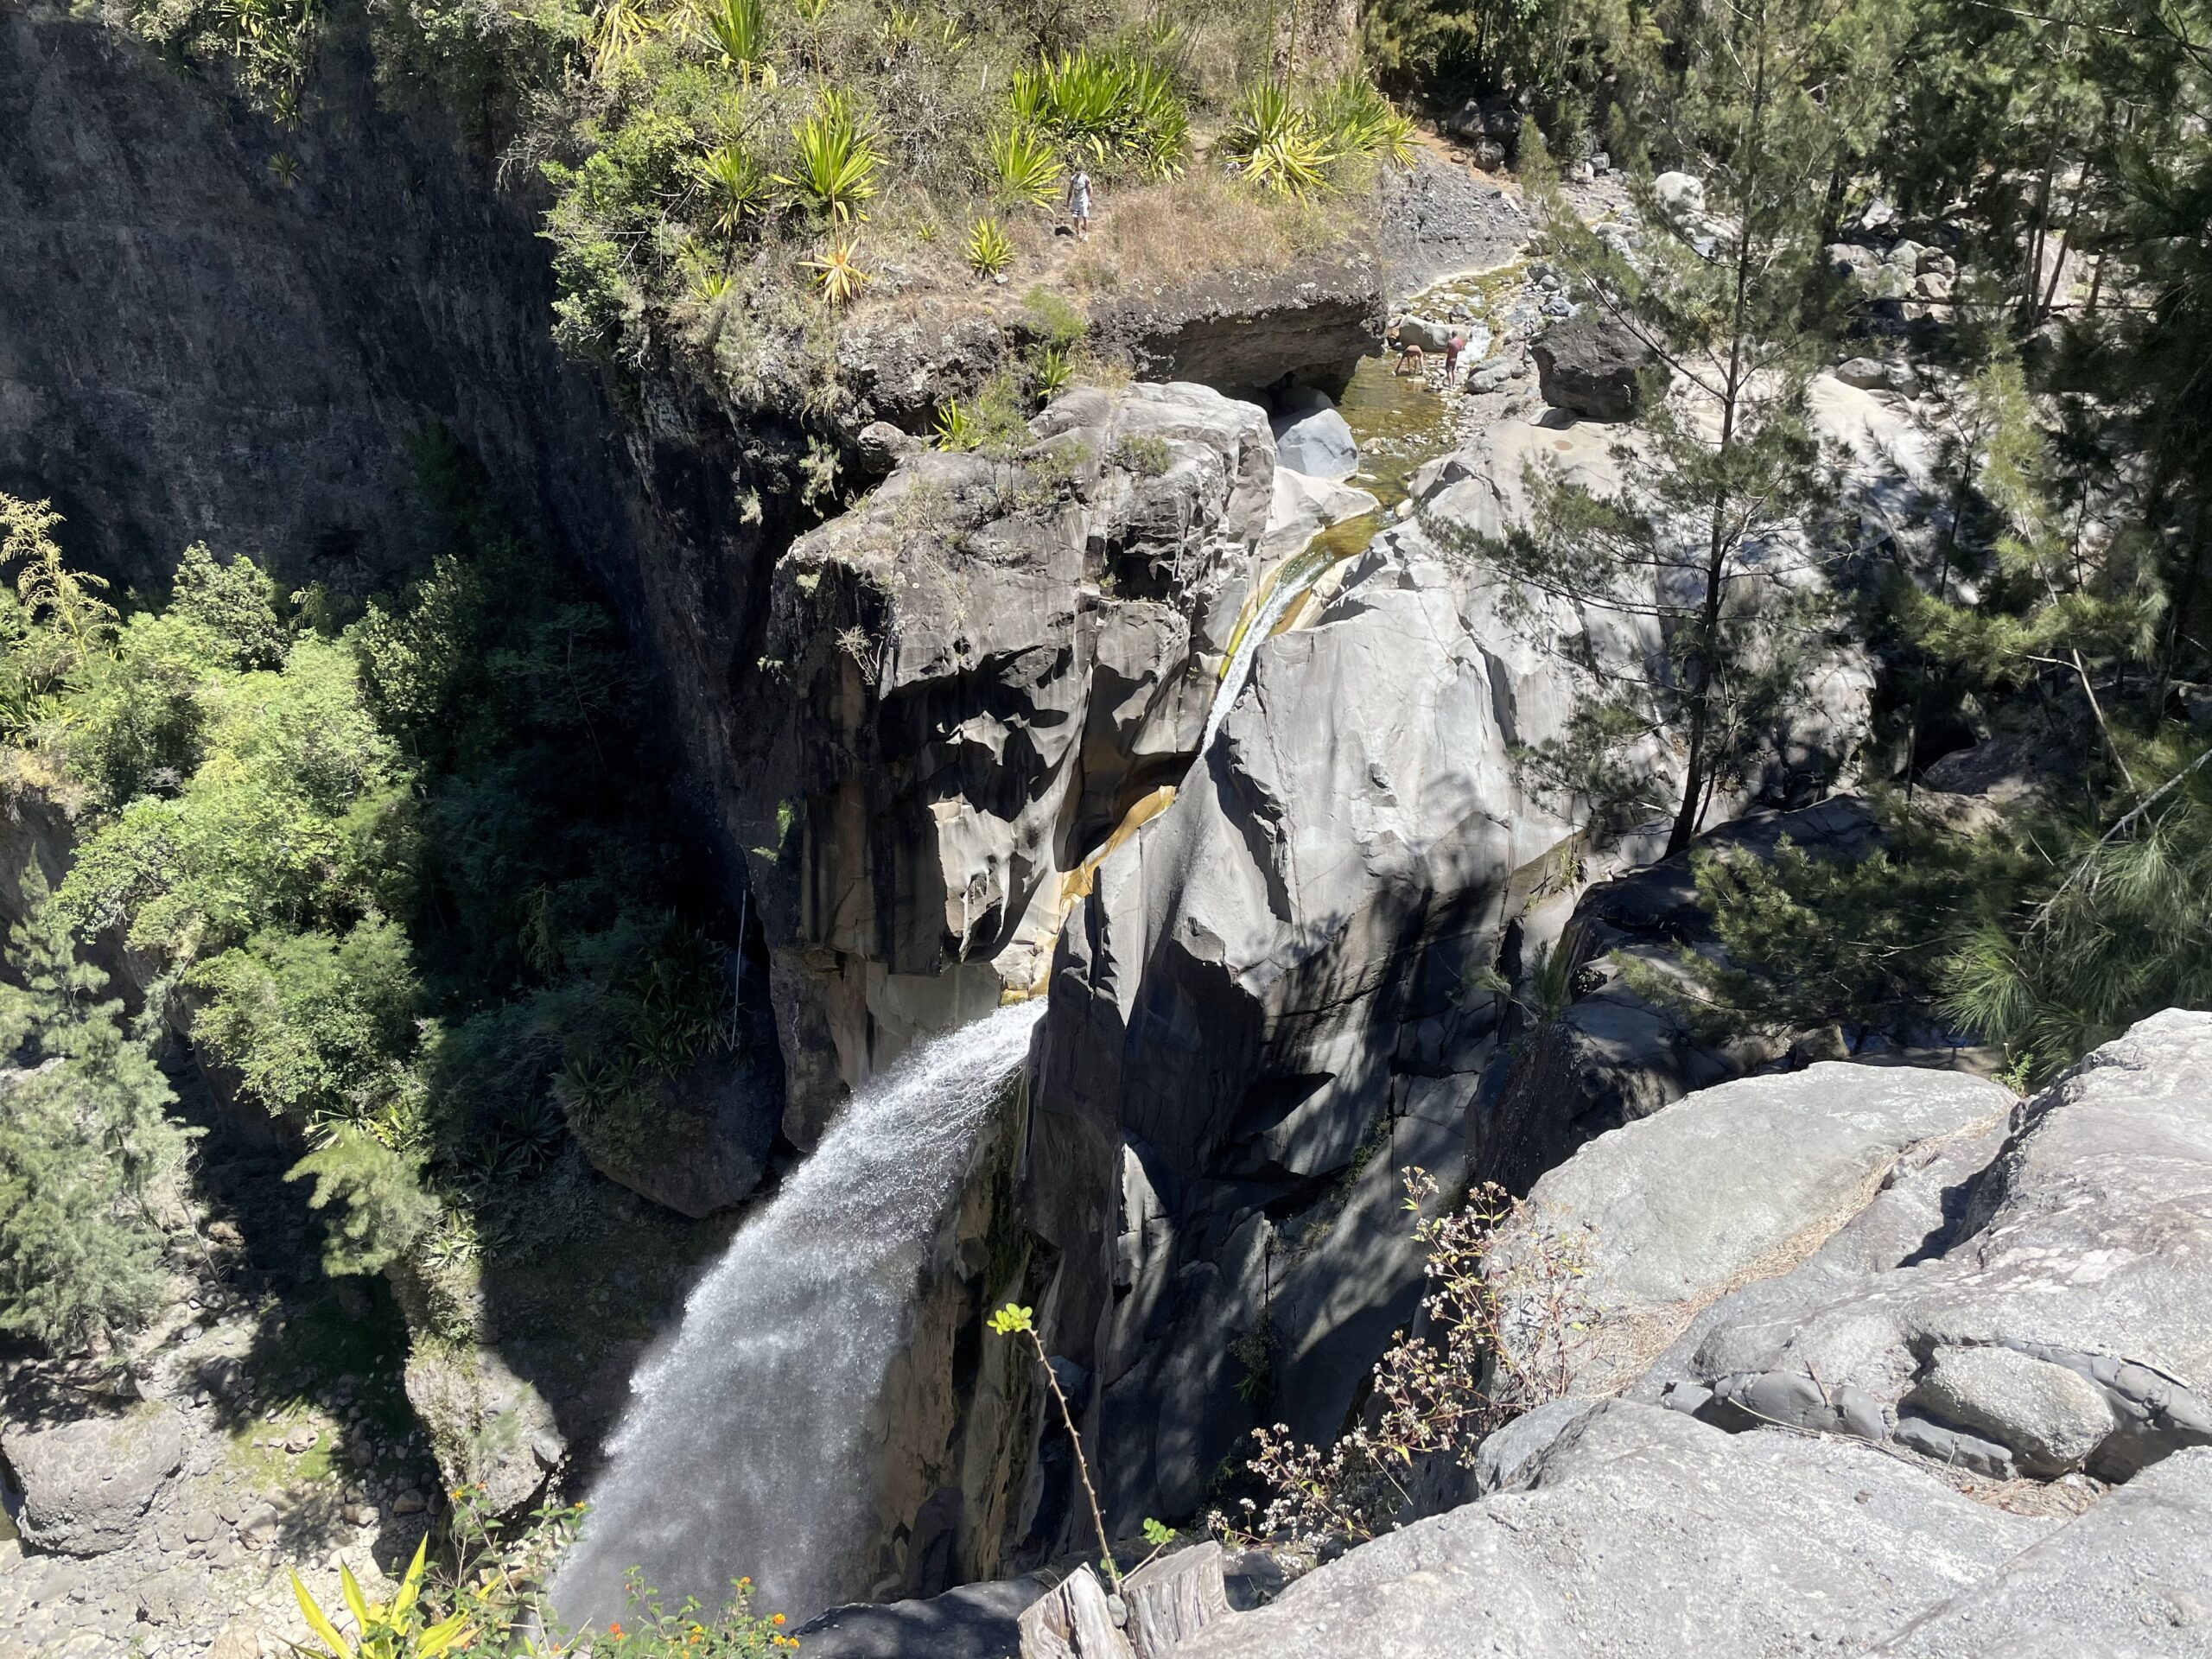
(1079, 204)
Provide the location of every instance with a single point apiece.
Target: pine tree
(1717, 533)
(85, 1138)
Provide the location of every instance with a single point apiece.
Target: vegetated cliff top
(743, 185)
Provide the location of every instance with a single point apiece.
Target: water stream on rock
(745, 1449)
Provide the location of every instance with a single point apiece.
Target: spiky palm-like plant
(1353, 118)
(837, 272)
(738, 31)
(737, 187)
(837, 159)
(1114, 109)
(618, 29)
(989, 249)
(1025, 166)
(1275, 143)
(1055, 369)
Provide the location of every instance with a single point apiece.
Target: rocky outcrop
(322, 324)
(1240, 330)
(1268, 1003)
(2049, 1315)
(1752, 1546)
(86, 1481)
(1612, 1055)
(1677, 1215)
(983, 667)
(1437, 220)
(2036, 1280)
(1593, 367)
(1261, 1010)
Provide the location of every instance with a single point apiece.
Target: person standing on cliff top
(1079, 204)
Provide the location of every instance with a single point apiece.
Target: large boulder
(2132, 1577)
(1675, 1213)
(1316, 441)
(1634, 1535)
(88, 1481)
(1593, 367)
(2076, 1238)
(697, 1141)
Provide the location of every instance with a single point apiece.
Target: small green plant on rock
(1014, 1320)
(385, 1629)
(1141, 452)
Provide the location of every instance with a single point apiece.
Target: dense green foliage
(413, 878)
(85, 1141)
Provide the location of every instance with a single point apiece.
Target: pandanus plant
(737, 187)
(738, 31)
(1275, 141)
(837, 160)
(1025, 166)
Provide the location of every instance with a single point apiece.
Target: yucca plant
(1053, 370)
(1025, 166)
(989, 249)
(392, 1629)
(738, 31)
(737, 187)
(956, 427)
(1352, 117)
(837, 272)
(1111, 108)
(837, 159)
(1274, 142)
(618, 28)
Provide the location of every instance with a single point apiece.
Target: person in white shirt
(1079, 203)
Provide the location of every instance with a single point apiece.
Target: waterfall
(746, 1447)
(1299, 573)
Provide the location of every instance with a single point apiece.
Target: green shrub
(84, 1136)
(1052, 319)
(1141, 452)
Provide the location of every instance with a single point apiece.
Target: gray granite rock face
(2129, 1579)
(2080, 1243)
(1266, 980)
(1640, 1532)
(87, 1482)
(1730, 1185)
(987, 663)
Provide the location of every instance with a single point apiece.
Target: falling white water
(745, 1450)
(1299, 573)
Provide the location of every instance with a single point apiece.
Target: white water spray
(745, 1450)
